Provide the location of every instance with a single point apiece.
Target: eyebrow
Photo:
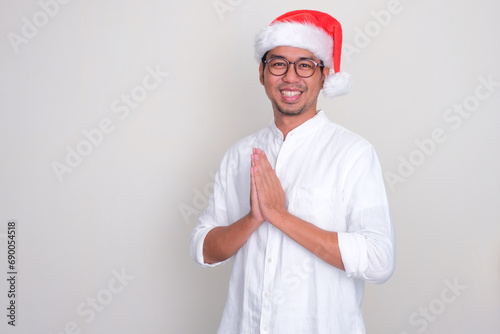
(302, 58)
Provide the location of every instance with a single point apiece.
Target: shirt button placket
(269, 269)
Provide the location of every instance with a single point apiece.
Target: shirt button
(267, 294)
(265, 328)
(269, 260)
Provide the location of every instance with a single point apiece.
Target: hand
(255, 213)
(270, 194)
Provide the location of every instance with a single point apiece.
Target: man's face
(291, 94)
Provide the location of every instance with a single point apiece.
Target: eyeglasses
(304, 67)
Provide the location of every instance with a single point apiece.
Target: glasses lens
(305, 68)
(278, 66)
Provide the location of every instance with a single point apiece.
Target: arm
(324, 244)
(222, 242)
(366, 250)
(271, 198)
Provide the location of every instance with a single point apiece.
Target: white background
(131, 202)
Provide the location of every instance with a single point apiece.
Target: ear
(261, 73)
(326, 72)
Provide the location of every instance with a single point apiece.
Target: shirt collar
(305, 128)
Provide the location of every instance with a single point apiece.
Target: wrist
(254, 220)
(277, 217)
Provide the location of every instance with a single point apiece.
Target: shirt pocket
(317, 205)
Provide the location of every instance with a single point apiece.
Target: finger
(252, 181)
(262, 176)
(267, 172)
(268, 168)
(254, 156)
(265, 161)
(268, 180)
(254, 198)
(255, 181)
(261, 180)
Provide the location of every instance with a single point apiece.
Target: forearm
(271, 198)
(324, 244)
(367, 252)
(222, 242)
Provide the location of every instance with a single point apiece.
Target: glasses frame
(294, 66)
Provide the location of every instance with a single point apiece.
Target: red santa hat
(314, 31)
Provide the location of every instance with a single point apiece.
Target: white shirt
(331, 178)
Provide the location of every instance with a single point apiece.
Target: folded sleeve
(367, 246)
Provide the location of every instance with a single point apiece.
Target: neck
(286, 123)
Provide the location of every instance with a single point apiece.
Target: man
(300, 206)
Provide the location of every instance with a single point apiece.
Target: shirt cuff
(353, 251)
(197, 239)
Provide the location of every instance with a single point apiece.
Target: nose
(291, 75)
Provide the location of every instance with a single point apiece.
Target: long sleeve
(214, 215)
(368, 246)
(230, 199)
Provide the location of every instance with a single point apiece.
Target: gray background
(129, 205)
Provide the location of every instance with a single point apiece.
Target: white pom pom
(337, 84)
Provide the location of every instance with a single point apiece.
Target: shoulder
(245, 144)
(242, 149)
(342, 140)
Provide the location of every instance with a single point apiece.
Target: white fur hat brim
(299, 35)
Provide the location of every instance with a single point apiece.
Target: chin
(291, 112)
(286, 109)
(290, 109)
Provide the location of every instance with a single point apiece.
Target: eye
(306, 65)
(278, 63)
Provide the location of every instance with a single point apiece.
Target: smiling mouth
(290, 92)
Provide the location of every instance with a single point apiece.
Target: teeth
(290, 93)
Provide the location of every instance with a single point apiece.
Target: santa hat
(314, 31)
